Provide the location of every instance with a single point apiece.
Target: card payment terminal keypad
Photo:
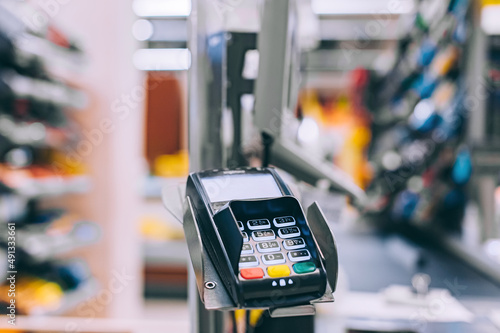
(274, 250)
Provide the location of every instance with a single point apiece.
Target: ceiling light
(142, 30)
(162, 59)
(362, 7)
(162, 8)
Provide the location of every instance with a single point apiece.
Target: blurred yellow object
(352, 158)
(311, 106)
(490, 2)
(341, 114)
(175, 165)
(444, 61)
(35, 295)
(255, 316)
(239, 314)
(154, 228)
(68, 164)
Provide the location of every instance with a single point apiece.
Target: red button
(252, 273)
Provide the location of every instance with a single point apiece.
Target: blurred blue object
(462, 168)
(427, 52)
(425, 85)
(404, 205)
(453, 199)
(424, 117)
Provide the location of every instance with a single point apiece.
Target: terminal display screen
(241, 187)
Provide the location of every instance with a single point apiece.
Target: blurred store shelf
(153, 185)
(45, 91)
(53, 186)
(165, 253)
(45, 245)
(73, 298)
(59, 61)
(12, 207)
(33, 134)
(475, 257)
(165, 269)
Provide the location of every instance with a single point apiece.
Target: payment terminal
(252, 245)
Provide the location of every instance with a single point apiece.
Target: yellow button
(278, 271)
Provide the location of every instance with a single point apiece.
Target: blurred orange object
(343, 117)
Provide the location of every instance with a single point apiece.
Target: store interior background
(83, 176)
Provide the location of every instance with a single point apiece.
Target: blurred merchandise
(38, 181)
(164, 127)
(342, 122)
(493, 89)
(421, 168)
(37, 295)
(156, 230)
(38, 159)
(44, 297)
(174, 165)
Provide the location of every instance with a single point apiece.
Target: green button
(304, 267)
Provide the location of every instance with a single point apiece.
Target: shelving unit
(166, 256)
(164, 253)
(421, 167)
(35, 125)
(88, 87)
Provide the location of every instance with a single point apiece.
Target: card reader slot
(219, 256)
(196, 251)
(204, 269)
(230, 235)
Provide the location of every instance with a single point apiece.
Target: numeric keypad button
(245, 236)
(246, 248)
(248, 261)
(273, 258)
(300, 255)
(264, 235)
(289, 232)
(265, 247)
(294, 243)
(259, 224)
(285, 221)
(240, 226)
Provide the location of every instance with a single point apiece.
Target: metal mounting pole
(204, 149)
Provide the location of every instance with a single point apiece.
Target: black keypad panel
(247, 249)
(285, 221)
(299, 255)
(263, 235)
(248, 261)
(289, 232)
(273, 259)
(265, 247)
(259, 224)
(294, 243)
(273, 242)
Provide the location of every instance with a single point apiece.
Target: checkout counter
(254, 248)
